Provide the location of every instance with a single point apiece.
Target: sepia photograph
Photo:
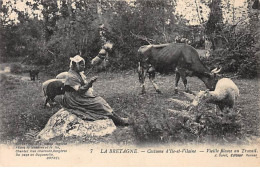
(129, 83)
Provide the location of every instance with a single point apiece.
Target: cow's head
(102, 55)
(212, 79)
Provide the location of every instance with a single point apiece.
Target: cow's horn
(216, 70)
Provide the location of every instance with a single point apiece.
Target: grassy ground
(22, 114)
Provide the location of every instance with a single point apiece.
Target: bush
(16, 68)
(237, 52)
(182, 126)
(243, 63)
(249, 67)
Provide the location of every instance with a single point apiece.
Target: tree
(239, 54)
(76, 33)
(215, 22)
(50, 17)
(130, 25)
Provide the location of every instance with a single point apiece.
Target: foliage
(188, 125)
(55, 30)
(215, 22)
(146, 22)
(241, 42)
(16, 68)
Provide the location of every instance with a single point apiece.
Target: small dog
(34, 73)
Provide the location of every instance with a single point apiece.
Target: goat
(34, 73)
(224, 95)
(51, 88)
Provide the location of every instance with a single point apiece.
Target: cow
(179, 57)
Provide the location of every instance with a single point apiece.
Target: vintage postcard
(129, 83)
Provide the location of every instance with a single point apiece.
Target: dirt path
(7, 71)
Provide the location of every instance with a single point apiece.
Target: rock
(66, 124)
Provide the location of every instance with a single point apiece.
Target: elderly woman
(78, 97)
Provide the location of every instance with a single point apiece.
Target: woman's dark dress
(85, 105)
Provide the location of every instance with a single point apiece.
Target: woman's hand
(88, 85)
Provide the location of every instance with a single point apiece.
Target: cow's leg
(185, 82)
(141, 75)
(183, 75)
(143, 88)
(155, 85)
(177, 78)
(142, 82)
(151, 75)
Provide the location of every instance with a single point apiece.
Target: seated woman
(78, 97)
